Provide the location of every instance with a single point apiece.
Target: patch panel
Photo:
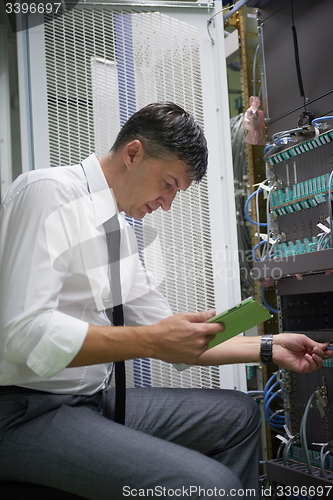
(305, 246)
(296, 453)
(301, 148)
(298, 202)
(302, 196)
(328, 363)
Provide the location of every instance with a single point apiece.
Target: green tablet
(244, 316)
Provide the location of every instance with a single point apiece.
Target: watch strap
(266, 348)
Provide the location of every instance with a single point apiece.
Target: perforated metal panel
(102, 64)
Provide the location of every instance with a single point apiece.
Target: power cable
(296, 52)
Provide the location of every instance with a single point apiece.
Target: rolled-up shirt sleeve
(33, 331)
(54, 352)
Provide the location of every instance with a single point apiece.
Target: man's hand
(182, 338)
(299, 353)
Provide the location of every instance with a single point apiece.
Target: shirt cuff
(60, 343)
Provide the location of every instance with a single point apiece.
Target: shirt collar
(102, 196)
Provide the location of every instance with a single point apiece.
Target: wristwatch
(266, 348)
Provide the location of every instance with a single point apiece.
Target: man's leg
(221, 424)
(64, 442)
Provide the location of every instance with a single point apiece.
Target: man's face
(150, 184)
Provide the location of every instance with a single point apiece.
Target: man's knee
(245, 410)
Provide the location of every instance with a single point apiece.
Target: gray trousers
(187, 443)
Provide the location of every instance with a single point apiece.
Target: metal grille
(118, 61)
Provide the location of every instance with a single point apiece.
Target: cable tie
(282, 438)
(265, 188)
(260, 183)
(263, 236)
(287, 431)
(323, 228)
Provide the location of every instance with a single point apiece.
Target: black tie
(116, 314)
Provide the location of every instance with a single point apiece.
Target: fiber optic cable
(303, 440)
(323, 457)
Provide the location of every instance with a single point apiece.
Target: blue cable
(268, 147)
(255, 248)
(270, 308)
(270, 390)
(246, 213)
(272, 420)
(282, 140)
(270, 380)
(278, 419)
(266, 405)
(270, 152)
(316, 121)
(277, 422)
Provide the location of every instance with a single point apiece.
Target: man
(58, 347)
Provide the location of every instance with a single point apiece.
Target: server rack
(296, 256)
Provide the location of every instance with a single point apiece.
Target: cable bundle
(274, 418)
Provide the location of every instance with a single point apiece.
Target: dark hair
(165, 128)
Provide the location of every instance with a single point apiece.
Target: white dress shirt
(54, 277)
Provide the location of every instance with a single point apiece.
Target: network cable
(323, 456)
(317, 122)
(304, 445)
(270, 308)
(280, 139)
(255, 248)
(246, 209)
(274, 419)
(303, 439)
(256, 223)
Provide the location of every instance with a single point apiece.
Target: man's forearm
(294, 352)
(180, 338)
(104, 344)
(235, 350)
